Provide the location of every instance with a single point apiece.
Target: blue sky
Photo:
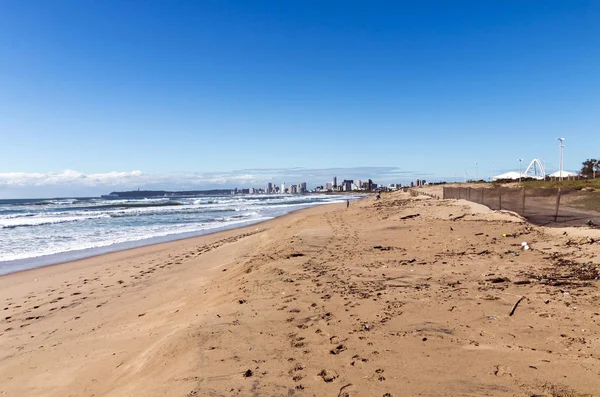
(225, 93)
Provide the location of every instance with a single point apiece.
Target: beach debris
(479, 234)
(515, 306)
(496, 280)
(525, 246)
(507, 235)
(581, 241)
(522, 282)
(409, 216)
(382, 248)
(328, 375)
(242, 301)
(590, 223)
(458, 217)
(248, 373)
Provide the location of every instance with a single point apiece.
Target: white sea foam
(122, 237)
(39, 221)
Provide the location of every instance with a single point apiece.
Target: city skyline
(345, 185)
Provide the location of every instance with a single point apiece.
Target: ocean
(40, 232)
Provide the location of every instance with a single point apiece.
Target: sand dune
(397, 297)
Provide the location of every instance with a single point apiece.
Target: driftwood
(515, 306)
(409, 216)
(458, 217)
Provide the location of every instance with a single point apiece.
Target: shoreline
(402, 295)
(81, 254)
(77, 255)
(143, 245)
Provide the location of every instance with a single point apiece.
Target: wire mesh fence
(550, 207)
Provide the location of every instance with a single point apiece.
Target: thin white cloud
(68, 177)
(139, 178)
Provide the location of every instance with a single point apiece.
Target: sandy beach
(403, 296)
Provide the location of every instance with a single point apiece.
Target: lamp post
(520, 173)
(476, 171)
(560, 158)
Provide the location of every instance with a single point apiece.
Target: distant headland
(165, 193)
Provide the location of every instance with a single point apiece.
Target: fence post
(557, 205)
(523, 201)
(500, 198)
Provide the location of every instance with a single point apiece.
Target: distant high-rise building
(329, 186)
(269, 188)
(283, 187)
(347, 185)
(334, 182)
(302, 188)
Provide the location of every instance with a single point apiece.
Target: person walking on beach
(347, 203)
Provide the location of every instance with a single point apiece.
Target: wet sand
(397, 297)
